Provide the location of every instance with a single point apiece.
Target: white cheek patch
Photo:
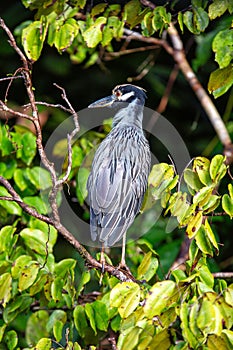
(125, 97)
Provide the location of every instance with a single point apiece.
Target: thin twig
(5, 108)
(11, 78)
(46, 104)
(110, 55)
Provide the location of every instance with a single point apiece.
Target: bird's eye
(118, 93)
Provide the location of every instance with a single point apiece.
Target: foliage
(70, 27)
(47, 303)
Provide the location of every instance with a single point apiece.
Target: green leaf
(64, 266)
(6, 144)
(194, 224)
(97, 9)
(161, 18)
(159, 298)
(33, 37)
(93, 35)
(36, 327)
(192, 180)
(36, 203)
(10, 206)
(162, 340)
(216, 342)
(11, 339)
(91, 316)
(28, 147)
(148, 267)
(125, 296)
(223, 47)
(219, 7)
(44, 344)
(230, 189)
(211, 235)
(38, 241)
(128, 340)
(2, 330)
(66, 34)
(28, 275)
(227, 204)
(81, 187)
(19, 264)
(131, 11)
(7, 239)
(203, 196)
(147, 28)
(80, 320)
(15, 307)
(201, 167)
(180, 21)
(7, 169)
(194, 312)
(20, 179)
(39, 177)
(201, 18)
(56, 322)
(42, 279)
(220, 81)
(5, 288)
(209, 318)
(113, 29)
(203, 242)
(186, 332)
(101, 315)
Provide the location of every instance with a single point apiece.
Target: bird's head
(121, 95)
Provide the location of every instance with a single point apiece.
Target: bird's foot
(124, 267)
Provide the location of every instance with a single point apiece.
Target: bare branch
(46, 104)
(206, 102)
(16, 198)
(5, 108)
(223, 275)
(11, 78)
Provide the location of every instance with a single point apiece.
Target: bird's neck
(132, 114)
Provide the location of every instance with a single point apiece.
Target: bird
(119, 172)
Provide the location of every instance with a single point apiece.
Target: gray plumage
(120, 169)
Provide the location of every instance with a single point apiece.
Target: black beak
(103, 102)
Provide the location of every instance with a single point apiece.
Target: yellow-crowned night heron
(120, 169)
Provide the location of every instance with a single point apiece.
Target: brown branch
(205, 100)
(164, 100)
(110, 55)
(46, 104)
(16, 198)
(17, 114)
(223, 275)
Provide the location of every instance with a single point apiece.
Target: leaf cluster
(86, 33)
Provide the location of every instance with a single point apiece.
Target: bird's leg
(102, 261)
(122, 264)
